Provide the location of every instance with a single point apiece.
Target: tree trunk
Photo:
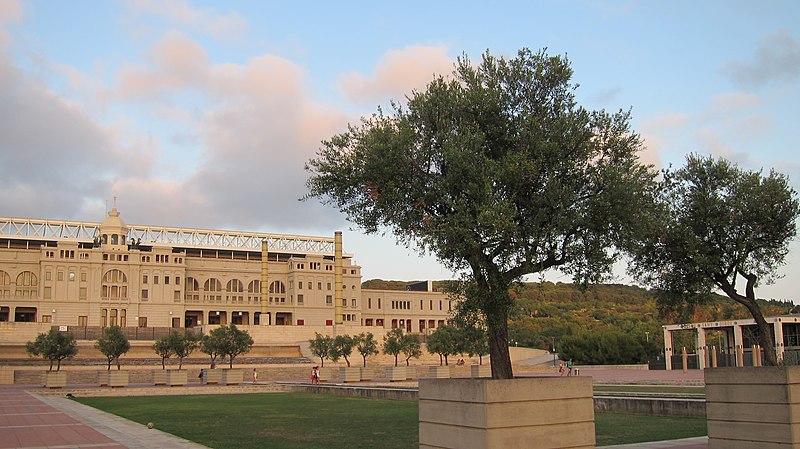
(498, 351)
(765, 338)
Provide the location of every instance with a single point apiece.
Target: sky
(202, 114)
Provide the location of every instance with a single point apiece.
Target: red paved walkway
(27, 422)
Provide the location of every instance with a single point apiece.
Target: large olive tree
(498, 172)
(719, 228)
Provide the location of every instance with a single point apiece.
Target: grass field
(309, 421)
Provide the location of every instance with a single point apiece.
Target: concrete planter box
(369, 373)
(118, 378)
(55, 379)
(753, 407)
(439, 372)
(232, 376)
(213, 376)
(102, 378)
(176, 377)
(545, 413)
(159, 377)
(350, 374)
(396, 373)
(325, 374)
(480, 370)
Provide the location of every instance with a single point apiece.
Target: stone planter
(325, 374)
(480, 370)
(159, 377)
(545, 413)
(350, 374)
(396, 373)
(439, 372)
(118, 378)
(232, 376)
(753, 407)
(102, 378)
(213, 376)
(176, 377)
(55, 379)
(369, 373)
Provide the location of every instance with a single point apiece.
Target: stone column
(702, 353)
(778, 334)
(738, 344)
(668, 347)
(264, 320)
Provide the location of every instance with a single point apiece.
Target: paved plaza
(33, 418)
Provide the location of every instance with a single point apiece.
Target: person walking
(255, 376)
(569, 367)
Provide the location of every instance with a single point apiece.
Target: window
(115, 285)
(301, 322)
(60, 275)
(192, 288)
(354, 302)
(369, 303)
(145, 294)
(277, 292)
(83, 320)
(254, 291)
(142, 321)
(319, 285)
(27, 285)
(379, 303)
(177, 280)
(329, 322)
(144, 279)
(82, 293)
(309, 286)
(177, 296)
(155, 279)
(166, 280)
(300, 299)
(328, 300)
(213, 288)
(47, 319)
(329, 285)
(440, 305)
(113, 317)
(48, 276)
(83, 276)
(235, 289)
(48, 293)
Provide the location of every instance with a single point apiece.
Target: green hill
(546, 312)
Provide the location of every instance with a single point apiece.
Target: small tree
(53, 346)
(234, 342)
(211, 344)
(366, 345)
(182, 345)
(473, 340)
(393, 343)
(443, 341)
(321, 347)
(113, 344)
(411, 347)
(163, 348)
(342, 347)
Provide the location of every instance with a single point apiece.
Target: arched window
(277, 292)
(27, 285)
(254, 291)
(213, 290)
(192, 290)
(115, 285)
(5, 284)
(235, 288)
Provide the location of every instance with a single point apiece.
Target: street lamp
(554, 351)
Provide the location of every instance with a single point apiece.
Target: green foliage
(497, 171)
(443, 341)
(113, 344)
(321, 347)
(719, 228)
(226, 341)
(342, 348)
(411, 347)
(54, 346)
(182, 344)
(473, 340)
(366, 345)
(603, 348)
(393, 343)
(163, 348)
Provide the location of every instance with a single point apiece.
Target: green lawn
(309, 421)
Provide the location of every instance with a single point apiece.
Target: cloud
(397, 73)
(658, 133)
(776, 60)
(179, 12)
(54, 155)
(10, 11)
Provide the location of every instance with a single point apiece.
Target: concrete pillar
(713, 357)
(338, 266)
(738, 344)
(702, 354)
(668, 347)
(264, 283)
(778, 334)
(685, 360)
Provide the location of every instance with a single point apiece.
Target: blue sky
(201, 113)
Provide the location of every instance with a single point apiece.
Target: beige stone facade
(100, 274)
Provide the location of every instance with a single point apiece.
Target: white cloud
(10, 12)
(206, 20)
(397, 73)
